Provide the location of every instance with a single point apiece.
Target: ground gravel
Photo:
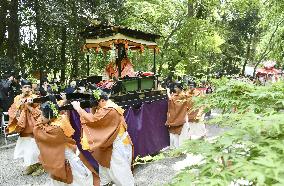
(157, 173)
(151, 174)
(11, 171)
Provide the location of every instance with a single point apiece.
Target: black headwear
(43, 80)
(50, 108)
(25, 82)
(92, 86)
(94, 100)
(179, 86)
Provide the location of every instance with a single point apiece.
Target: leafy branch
(269, 46)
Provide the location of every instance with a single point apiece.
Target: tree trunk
(75, 60)
(190, 11)
(76, 44)
(38, 59)
(13, 32)
(3, 23)
(75, 64)
(63, 53)
(161, 63)
(247, 57)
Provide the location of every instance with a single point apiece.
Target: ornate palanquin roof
(105, 36)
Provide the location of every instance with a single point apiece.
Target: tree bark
(75, 60)
(63, 53)
(3, 23)
(247, 56)
(13, 32)
(76, 44)
(190, 11)
(39, 57)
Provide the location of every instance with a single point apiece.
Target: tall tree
(38, 59)
(3, 23)
(63, 53)
(13, 31)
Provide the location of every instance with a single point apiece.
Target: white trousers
(120, 165)
(176, 140)
(82, 176)
(197, 130)
(27, 149)
(184, 135)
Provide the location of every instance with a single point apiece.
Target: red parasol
(268, 69)
(264, 71)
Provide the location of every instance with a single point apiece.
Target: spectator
(45, 88)
(35, 89)
(8, 88)
(16, 86)
(208, 91)
(169, 83)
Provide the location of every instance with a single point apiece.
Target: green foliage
(199, 38)
(232, 95)
(147, 159)
(251, 148)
